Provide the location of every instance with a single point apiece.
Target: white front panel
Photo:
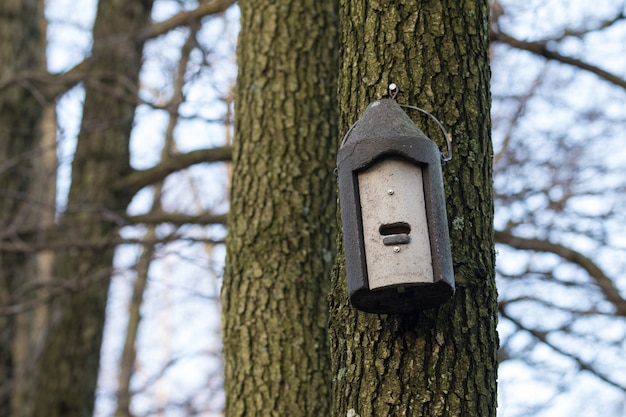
(392, 207)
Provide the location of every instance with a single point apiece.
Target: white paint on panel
(392, 193)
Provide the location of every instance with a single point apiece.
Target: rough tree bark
(443, 361)
(280, 244)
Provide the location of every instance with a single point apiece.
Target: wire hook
(448, 136)
(393, 92)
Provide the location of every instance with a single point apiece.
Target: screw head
(396, 249)
(390, 191)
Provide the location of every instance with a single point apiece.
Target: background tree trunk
(67, 373)
(280, 243)
(443, 361)
(25, 186)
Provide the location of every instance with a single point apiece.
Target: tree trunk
(23, 164)
(441, 361)
(281, 223)
(67, 373)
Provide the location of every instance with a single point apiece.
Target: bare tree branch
(129, 352)
(185, 17)
(540, 48)
(514, 120)
(15, 239)
(542, 245)
(542, 336)
(47, 85)
(139, 179)
(177, 219)
(50, 86)
(579, 33)
(11, 247)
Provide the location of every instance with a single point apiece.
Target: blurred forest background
(559, 112)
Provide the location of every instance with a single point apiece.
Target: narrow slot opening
(395, 229)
